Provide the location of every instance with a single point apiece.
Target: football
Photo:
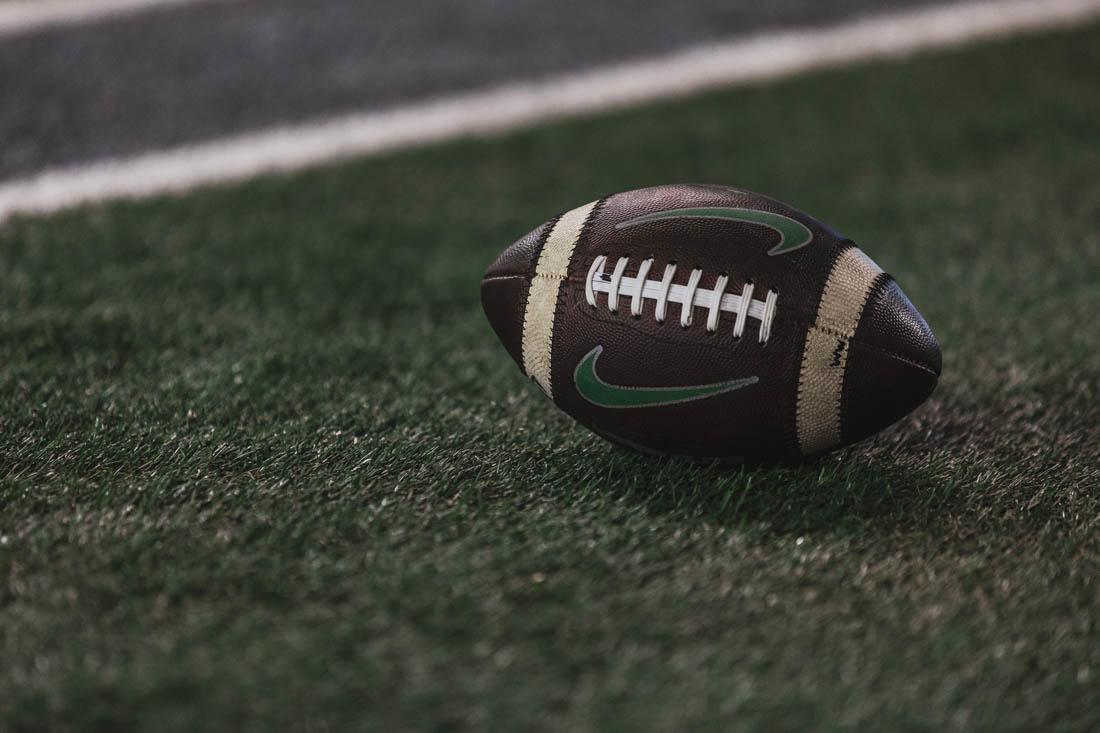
(710, 322)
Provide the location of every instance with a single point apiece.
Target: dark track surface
(170, 76)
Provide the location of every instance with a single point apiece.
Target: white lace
(689, 296)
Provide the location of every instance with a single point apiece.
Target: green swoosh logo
(599, 392)
(792, 234)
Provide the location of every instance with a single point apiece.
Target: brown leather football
(710, 322)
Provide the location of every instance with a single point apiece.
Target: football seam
(895, 355)
(504, 276)
(510, 275)
(833, 331)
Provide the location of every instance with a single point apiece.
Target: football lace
(689, 296)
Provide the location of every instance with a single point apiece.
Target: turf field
(265, 466)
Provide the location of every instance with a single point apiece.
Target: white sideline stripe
(22, 16)
(512, 106)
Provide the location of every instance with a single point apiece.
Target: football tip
(895, 365)
(504, 288)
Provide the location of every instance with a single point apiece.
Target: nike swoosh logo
(792, 234)
(600, 393)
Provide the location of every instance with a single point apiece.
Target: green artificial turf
(265, 466)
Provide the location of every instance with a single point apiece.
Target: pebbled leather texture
(521, 257)
(499, 296)
(891, 322)
(504, 288)
(756, 423)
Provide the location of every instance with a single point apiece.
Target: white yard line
(23, 16)
(717, 65)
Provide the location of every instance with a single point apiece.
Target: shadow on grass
(848, 488)
(1025, 460)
